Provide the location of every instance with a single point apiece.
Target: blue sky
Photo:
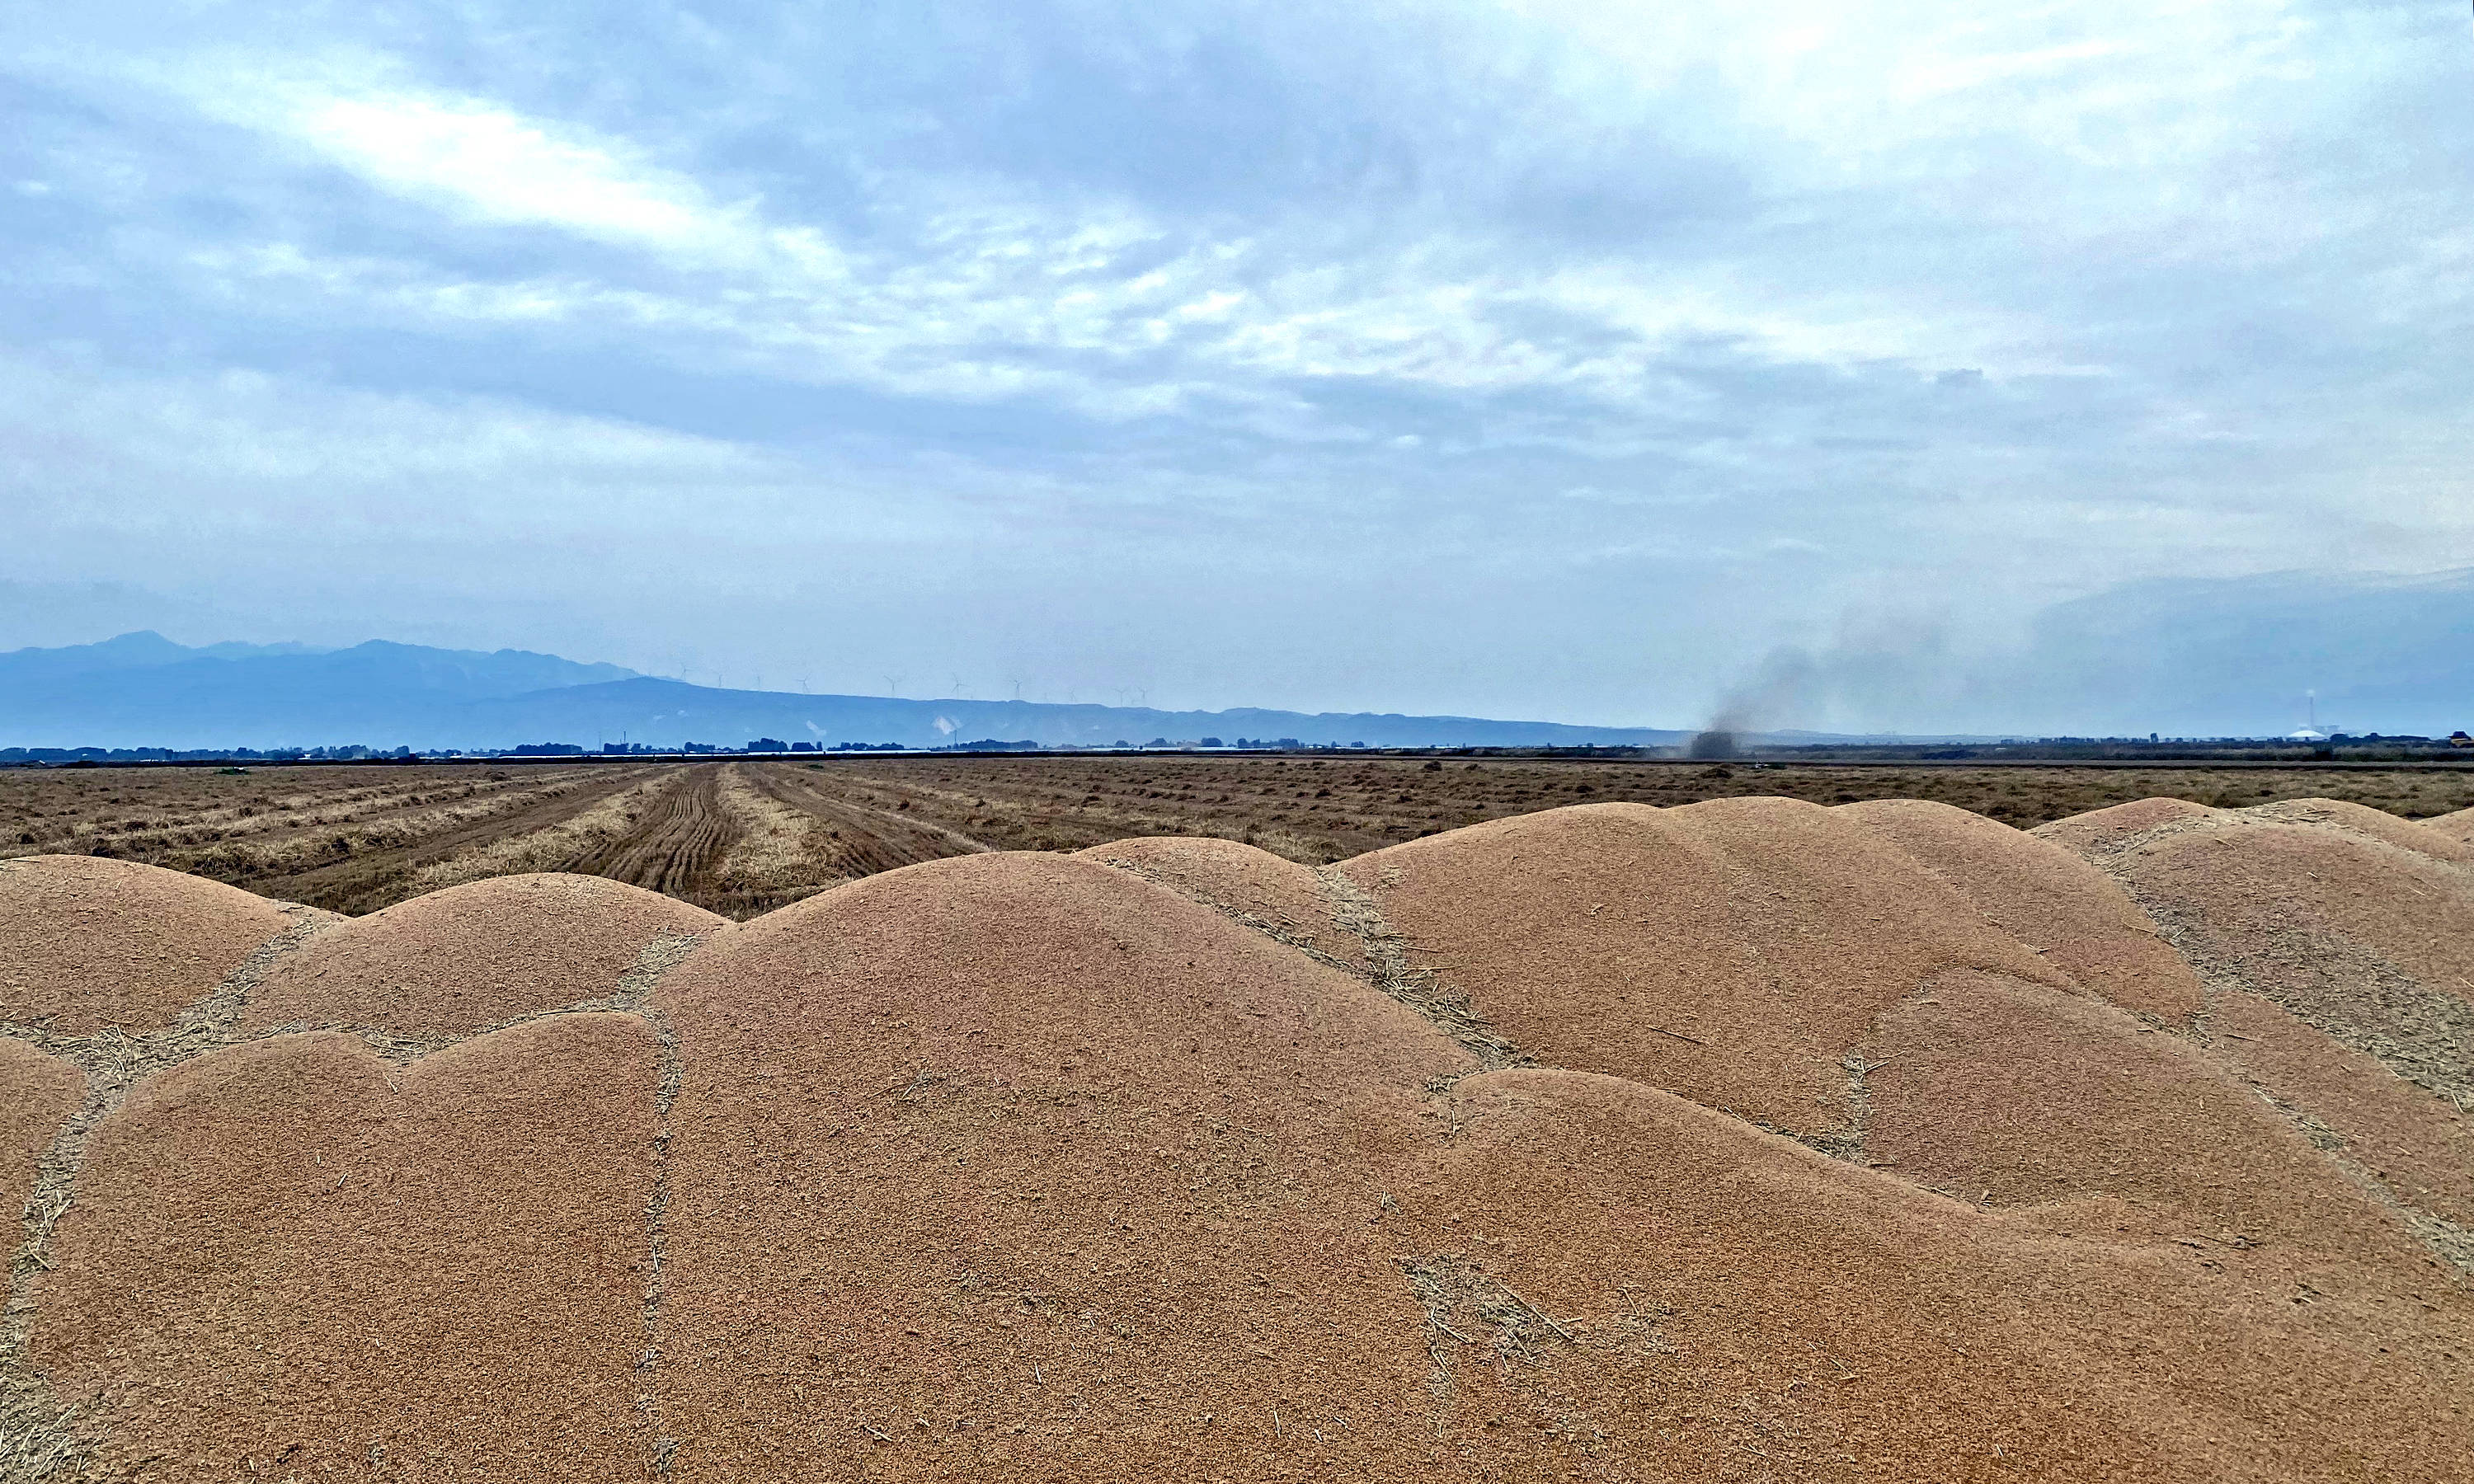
(1538, 359)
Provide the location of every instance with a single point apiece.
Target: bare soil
(676, 847)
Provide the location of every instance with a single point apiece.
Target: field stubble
(744, 837)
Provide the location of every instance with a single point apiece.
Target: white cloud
(2012, 302)
(504, 168)
(1008, 299)
(976, 290)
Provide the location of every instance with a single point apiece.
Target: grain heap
(457, 961)
(1744, 1140)
(1735, 951)
(2458, 827)
(1277, 896)
(95, 943)
(2337, 943)
(2099, 830)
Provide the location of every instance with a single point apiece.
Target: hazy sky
(1539, 359)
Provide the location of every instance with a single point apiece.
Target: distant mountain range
(144, 690)
(2246, 657)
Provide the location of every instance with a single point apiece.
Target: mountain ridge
(142, 690)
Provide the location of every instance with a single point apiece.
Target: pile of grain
(94, 942)
(2047, 897)
(2338, 943)
(42, 1091)
(2458, 827)
(2098, 831)
(1746, 1140)
(1256, 887)
(1732, 952)
(291, 1258)
(472, 956)
(2362, 928)
(1021, 1160)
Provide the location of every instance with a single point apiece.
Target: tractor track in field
(871, 840)
(677, 846)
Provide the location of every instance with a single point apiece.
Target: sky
(1543, 359)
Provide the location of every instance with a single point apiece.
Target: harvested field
(1316, 811)
(674, 842)
(1743, 1140)
(347, 839)
(743, 837)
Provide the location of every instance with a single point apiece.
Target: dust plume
(1882, 673)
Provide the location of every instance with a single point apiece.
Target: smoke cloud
(1883, 673)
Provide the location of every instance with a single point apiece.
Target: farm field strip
(677, 845)
(775, 860)
(552, 835)
(378, 868)
(348, 839)
(158, 823)
(884, 838)
(743, 837)
(1320, 809)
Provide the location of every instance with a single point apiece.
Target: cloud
(500, 167)
(970, 288)
(1614, 317)
(992, 297)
